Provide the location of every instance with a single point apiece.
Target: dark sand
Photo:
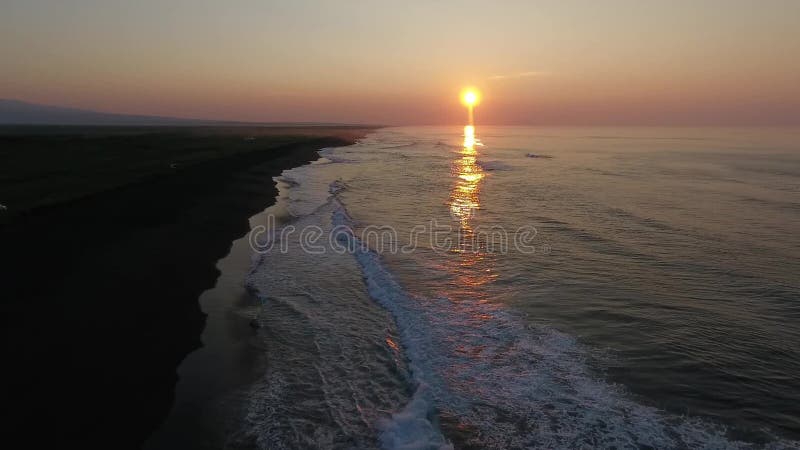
(101, 276)
(212, 394)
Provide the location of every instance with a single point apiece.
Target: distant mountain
(16, 112)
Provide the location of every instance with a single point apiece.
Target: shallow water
(511, 287)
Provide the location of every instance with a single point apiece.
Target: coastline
(214, 379)
(103, 303)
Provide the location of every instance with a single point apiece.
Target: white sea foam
(332, 155)
(413, 427)
(331, 376)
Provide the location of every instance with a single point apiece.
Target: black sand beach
(108, 266)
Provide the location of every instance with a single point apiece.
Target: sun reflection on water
(474, 266)
(464, 200)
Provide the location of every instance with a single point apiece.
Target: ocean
(530, 287)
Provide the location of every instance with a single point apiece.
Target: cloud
(528, 74)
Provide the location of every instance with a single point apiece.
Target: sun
(470, 97)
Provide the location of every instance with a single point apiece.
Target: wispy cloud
(511, 76)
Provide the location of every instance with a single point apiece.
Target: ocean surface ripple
(659, 311)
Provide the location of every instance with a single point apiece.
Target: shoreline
(103, 303)
(215, 378)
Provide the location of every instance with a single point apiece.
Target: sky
(567, 62)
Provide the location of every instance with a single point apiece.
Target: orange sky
(537, 62)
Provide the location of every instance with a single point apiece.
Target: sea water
(516, 287)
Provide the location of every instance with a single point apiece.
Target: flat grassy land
(41, 166)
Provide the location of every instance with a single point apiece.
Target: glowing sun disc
(470, 97)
